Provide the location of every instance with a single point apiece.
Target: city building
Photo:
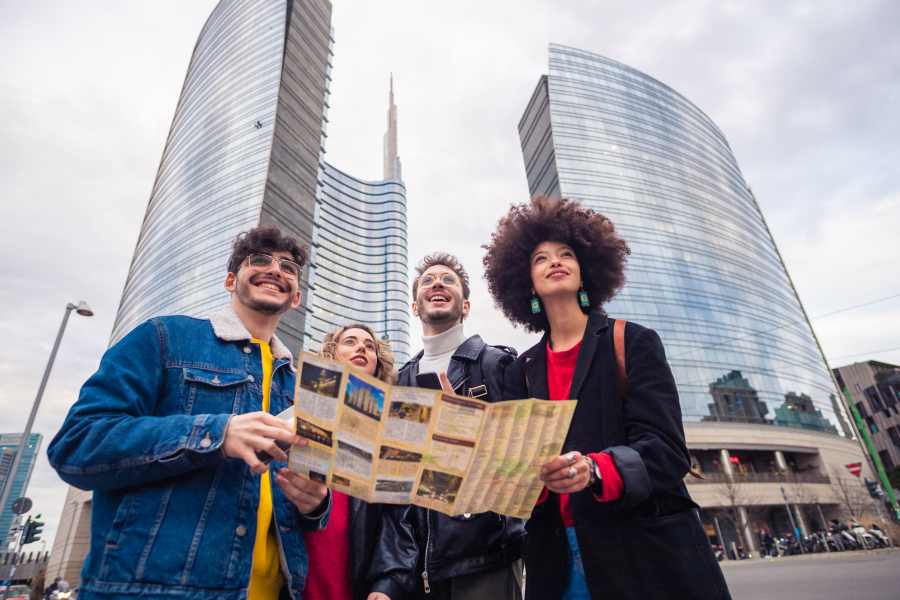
(246, 147)
(705, 273)
(873, 388)
(734, 399)
(799, 411)
(9, 445)
(360, 251)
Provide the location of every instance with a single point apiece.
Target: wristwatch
(596, 481)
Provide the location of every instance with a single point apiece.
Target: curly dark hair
(447, 260)
(601, 254)
(265, 239)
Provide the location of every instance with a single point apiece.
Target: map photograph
(364, 397)
(313, 432)
(320, 380)
(391, 453)
(439, 486)
(409, 411)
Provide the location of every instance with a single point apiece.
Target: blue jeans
(576, 588)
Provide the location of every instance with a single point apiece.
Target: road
(837, 576)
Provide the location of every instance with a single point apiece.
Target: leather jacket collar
(467, 352)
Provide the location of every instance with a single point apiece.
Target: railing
(770, 477)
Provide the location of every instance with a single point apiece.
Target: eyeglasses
(445, 279)
(287, 266)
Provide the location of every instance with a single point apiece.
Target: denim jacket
(171, 515)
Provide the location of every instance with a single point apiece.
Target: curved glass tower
(360, 252)
(243, 150)
(704, 271)
(360, 259)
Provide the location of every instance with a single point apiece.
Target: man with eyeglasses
(176, 436)
(423, 553)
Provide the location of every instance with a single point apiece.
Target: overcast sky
(807, 93)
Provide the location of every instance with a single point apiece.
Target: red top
(560, 370)
(328, 577)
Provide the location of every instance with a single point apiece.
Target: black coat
(414, 540)
(649, 544)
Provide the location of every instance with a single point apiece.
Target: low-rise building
(873, 388)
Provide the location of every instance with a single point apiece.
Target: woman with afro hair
(615, 520)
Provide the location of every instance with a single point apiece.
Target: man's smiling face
(269, 289)
(439, 297)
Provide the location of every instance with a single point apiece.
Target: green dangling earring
(583, 299)
(535, 303)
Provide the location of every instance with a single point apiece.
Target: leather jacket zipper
(425, 583)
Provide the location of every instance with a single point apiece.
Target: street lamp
(84, 310)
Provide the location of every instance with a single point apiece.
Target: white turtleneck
(439, 349)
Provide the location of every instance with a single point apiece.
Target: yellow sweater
(265, 573)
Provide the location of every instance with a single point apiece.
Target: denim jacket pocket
(213, 392)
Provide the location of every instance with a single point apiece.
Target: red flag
(855, 469)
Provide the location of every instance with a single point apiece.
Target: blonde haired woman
(339, 555)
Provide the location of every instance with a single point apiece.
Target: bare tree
(800, 492)
(851, 495)
(734, 494)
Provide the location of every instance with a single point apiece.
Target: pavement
(872, 575)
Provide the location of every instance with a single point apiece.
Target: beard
(244, 292)
(442, 316)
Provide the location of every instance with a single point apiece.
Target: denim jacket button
(247, 350)
(205, 442)
(251, 378)
(240, 530)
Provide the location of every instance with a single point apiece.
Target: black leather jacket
(418, 547)
(365, 523)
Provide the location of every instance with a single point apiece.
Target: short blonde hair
(384, 363)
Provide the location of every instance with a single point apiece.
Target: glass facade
(704, 271)
(360, 259)
(9, 444)
(243, 149)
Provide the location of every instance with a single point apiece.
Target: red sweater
(329, 555)
(560, 370)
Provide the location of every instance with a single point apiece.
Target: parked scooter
(842, 536)
(718, 552)
(881, 538)
(62, 592)
(866, 540)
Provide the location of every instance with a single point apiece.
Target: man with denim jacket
(422, 553)
(173, 434)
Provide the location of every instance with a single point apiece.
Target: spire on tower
(392, 167)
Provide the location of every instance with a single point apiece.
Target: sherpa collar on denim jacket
(228, 327)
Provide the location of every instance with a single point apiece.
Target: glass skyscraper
(9, 445)
(244, 149)
(704, 271)
(360, 251)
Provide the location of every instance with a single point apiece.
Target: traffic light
(32, 532)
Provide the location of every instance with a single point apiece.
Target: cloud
(805, 93)
(859, 248)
